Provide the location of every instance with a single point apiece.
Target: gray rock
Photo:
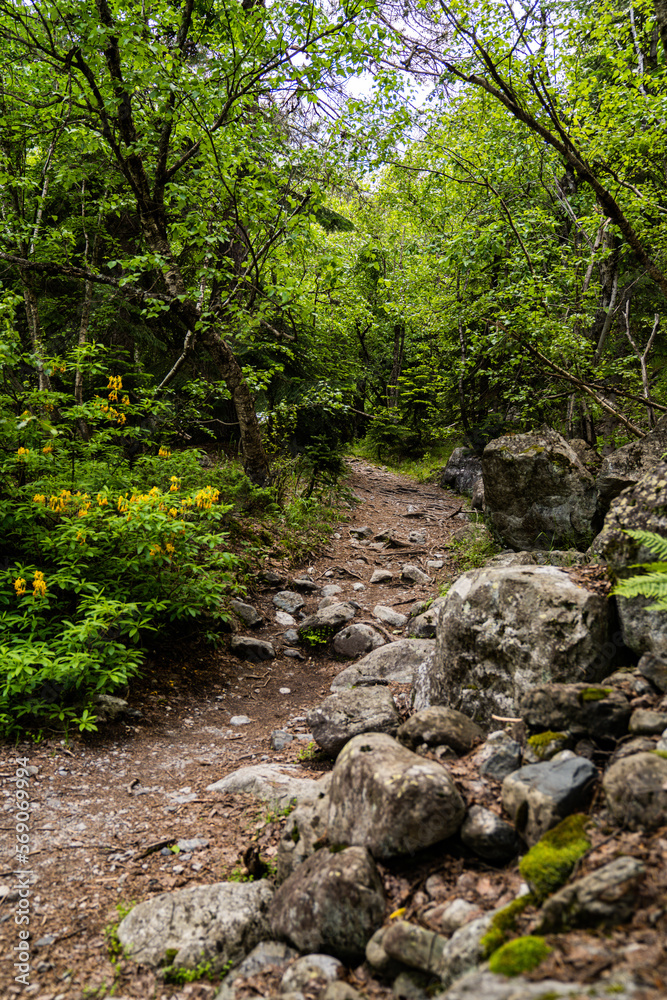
(417, 538)
(249, 616)
(291, 636)
(332, 902)
(278, 784)
(289, 600)
(323, 625)
(108, 707)
(477, 501)
(340, 991)
(264, 954)
(239, 720)
(437, 725)
(362, 532)
(217, 923)
(389, 616)
(331, 589)
(249, 648)
(627, 465)
(636, 791)
(390, 800)
(593, 709)
(540, 557)
(643, 722)
(414, 946)
(381, 576)
(396, 662)
(423, 626)
(279, 739)
(654, 668)
(357, 640)
(305, 827)
(305, 583)
(463, 468)
(377, 957)
(283, 618)
(412, 984)
(346, 713)
(455, 914)
(464, 949)
(489, 836)
(413, 574)
(642, 507)
(607, 896)
(501, 631)
(537, 797)
(293, 654)
(311, 970)
(482, 983)
(537, 493)
(499, 756)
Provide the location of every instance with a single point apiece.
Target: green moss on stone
(503, 923)
(594, 693)
(549, 863)
(660, 753)
(540, 743)
(520, 955)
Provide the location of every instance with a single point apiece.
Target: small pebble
(285, 690)
(239, 720)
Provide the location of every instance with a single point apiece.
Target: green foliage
(114, 947)
(549, 863)
(94, 566)
(473, 549)
(652, 582)
(310, 752)
(179, 975)
(520, 955)
(594, 694)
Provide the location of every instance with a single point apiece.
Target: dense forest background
(210, 249)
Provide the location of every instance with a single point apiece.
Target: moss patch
(503, 923)
(541, 743)
(594, 694)
(549, 863)
(521, 955)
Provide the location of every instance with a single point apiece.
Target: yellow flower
(22, 454)
(155, 550)
(47, 449)
(39, 498)
(170, 548)
(115, 384)
(80, 537)
(39, 585)
(172, 512)
(175, 484)
(164, 453)
(102, 500)
(126, 400)
(19, 585)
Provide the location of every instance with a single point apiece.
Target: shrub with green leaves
(100, 549)
(652, 581)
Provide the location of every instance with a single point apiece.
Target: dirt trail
(106, 809)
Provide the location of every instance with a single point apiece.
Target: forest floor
(107, 807)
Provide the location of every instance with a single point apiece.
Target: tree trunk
(661, 17)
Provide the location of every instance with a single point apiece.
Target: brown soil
(107, 808)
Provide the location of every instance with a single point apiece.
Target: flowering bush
(99, 550)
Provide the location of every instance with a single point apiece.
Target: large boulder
(389, 799)
(642, 507)
(537, 492)
(503, 630)
(348, 712)
(333, 903)
(627, 465)
(217, 923)
(397, 662)
(462, 469)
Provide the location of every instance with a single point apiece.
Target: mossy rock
(549, 863)
(503, 923)
(520, 955)
(594, 694)
(545, 745)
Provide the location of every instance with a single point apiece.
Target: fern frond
(655, 567)
(650, 585)
(651, 540)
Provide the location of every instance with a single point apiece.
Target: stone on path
(636, 791)
(288, 600)
(438, 725)
(323, 625)
(332, 902)
(249, 616)
(390, 617)
(606, 897)
(390, 800)
(278, 784)
(499, 756)
(537, 797)
(357, 640)
(489, 836)
(397, 662)
(594, 709)
(251, 649)
(346, 713)
(217, 923)
(413, 574)
(381, 576)
(304, 827)
(266, 953)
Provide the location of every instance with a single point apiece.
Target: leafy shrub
(652, 582)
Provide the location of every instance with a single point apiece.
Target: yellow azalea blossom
(164, 452)
(155, 550)
(19, 585)
(80, 537)
(206, 497)
(39, 585)
(47, 449)
(126, 400)
(170, 548)
(102, 500)
(175, 484)
(39, 498)
(22, 454)
(115, 385)
(172, 512)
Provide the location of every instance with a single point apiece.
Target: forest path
(105, 808)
